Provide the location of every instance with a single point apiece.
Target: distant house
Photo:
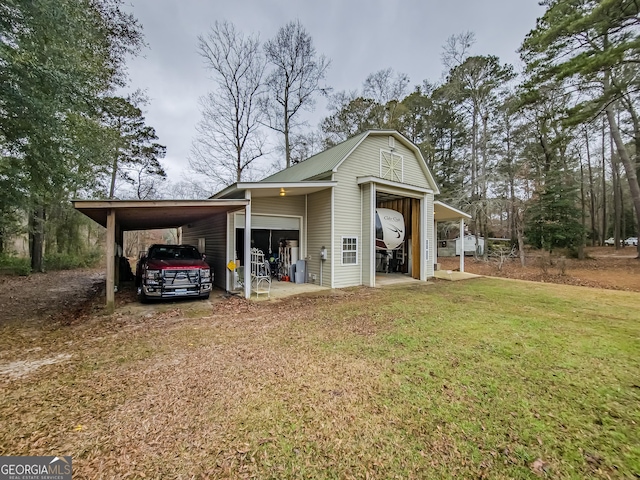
(326, 205)
(451, 247)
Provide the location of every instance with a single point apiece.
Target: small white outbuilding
(472, 245)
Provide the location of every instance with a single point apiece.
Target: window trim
(343, 251)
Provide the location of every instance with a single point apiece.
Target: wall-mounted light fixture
(282, 192)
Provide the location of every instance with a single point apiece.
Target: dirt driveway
(41, 297)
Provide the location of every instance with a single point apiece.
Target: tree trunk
(520, 241)
(474, 153)
(287, 144)
(36, 237)
(629, 167)
(628, 103)
(114, 172)
(617, 201)
(582, 200)
(603, 234)
(592, 195)
(617, 194)
(485, 202)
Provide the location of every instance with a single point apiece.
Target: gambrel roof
(321, 166)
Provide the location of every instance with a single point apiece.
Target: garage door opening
(268, 241)
(404, 260)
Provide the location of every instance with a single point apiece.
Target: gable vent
(392, 142)
(391, 166)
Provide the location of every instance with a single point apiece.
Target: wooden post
(111, 244)
(119, 252)
(416, 251)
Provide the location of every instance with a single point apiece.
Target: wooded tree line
(64, 130)
(548, 154)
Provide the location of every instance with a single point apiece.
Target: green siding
(319, 235)
(413, 169)
(353, 209)
(321, 165)
(368, 204)
(289, 205)
(348, 214)
(367, 160)
(214, 231)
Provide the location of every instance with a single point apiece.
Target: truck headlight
(205, 274)
(152, 275)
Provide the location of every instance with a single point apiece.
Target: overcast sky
(359, 37)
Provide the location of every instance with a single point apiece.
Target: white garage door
(270, 222)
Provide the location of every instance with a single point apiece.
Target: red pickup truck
(173, 271)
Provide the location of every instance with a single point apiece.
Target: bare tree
(294, 81)
(456, 49)
(228, 137)
(387, 88)
(188, 188)
(305, 145)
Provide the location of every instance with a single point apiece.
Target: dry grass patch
(475, 379)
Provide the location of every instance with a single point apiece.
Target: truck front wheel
(142, 298)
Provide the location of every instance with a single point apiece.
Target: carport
(446, 213)
(118, 216)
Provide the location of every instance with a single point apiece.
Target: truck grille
(176, 278)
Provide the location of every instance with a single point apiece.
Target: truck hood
(179, 263)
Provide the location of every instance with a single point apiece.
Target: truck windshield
(168, 252)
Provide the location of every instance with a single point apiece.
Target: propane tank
(390, 229)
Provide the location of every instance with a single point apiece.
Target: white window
(349, 250)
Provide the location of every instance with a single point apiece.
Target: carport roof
(150, 214)
(446, 213)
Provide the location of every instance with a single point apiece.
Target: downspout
(361, 240)
(304, 239)
(424, 253)
(372, 237)
(247, 246)
(333, 241)
(462, 244)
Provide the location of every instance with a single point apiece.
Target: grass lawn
(476, 379)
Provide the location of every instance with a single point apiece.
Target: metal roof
(321, 166)
(150, 214)
(447, 213)
(315, 166)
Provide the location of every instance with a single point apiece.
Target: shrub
(562, 265)
(10, 264)
(544, 262)
(66, 261)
